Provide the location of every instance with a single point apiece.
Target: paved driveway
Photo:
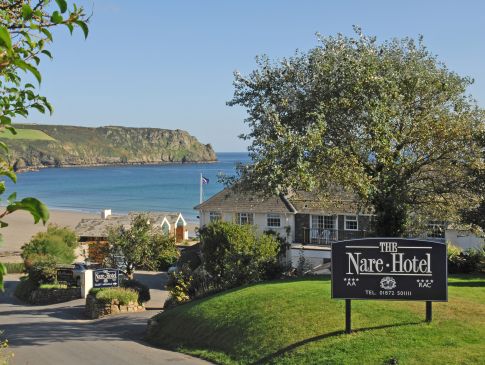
(59, 334)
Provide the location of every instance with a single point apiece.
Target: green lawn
(28, 134)
(296, 322)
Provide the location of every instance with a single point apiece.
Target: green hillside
(296, 322)
(27, 134)
(38, 146)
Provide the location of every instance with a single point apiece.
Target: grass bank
(296, 322)
(27, 134)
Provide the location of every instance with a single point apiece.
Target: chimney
(105, 213)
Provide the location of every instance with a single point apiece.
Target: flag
(205, 180)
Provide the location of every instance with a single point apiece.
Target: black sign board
(105, 278)
(389, 268)
(65, 276)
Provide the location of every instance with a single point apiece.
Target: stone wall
(97, 309)
(51, 296)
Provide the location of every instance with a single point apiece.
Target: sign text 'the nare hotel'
(394, 269)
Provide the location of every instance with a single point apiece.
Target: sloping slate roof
(338, 202)
(230, 201)
(98, 227)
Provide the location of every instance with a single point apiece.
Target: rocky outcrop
(82, 146)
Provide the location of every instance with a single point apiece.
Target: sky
(170, 64)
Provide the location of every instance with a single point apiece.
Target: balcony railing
(320, 236)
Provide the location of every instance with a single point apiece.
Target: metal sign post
(348, 316)
(389, 269)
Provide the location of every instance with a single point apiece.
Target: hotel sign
(105, 278)
(392, 269)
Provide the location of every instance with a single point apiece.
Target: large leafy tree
(476, 215)
(386, 121)
(25, 35)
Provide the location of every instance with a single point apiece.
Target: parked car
(80, 268)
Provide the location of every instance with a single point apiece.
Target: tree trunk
(391, 215)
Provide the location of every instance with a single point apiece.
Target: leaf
(47, 33)
(47, 53)
(3, 224)
(3, 272)
(26, 12)
(10, 174)
(56, 18)
(12, 198)
(39, 107)
(4, 146)
(34, 206)
(62, 5)
(70, 27)
(12, 129)
(34, 72)
(5, 40)
(83, 26)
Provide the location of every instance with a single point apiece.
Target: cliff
(37, 146)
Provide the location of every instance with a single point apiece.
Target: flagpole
(200, 182)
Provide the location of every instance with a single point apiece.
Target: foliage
(57, 243)
(5, 355)
(191, 257)
(235, 254)
(42, 269)
(469, 261)
(142, 245)
(24, 288)
(165, 250)
(475, 215)
(15, 267)
(24, 37)
(52, 286)
(385, 121)
(122, 295)
(178, 285)
(142, 290)
(297, 322)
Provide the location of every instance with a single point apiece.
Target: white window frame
(435, 226)
(273, 216)
(248, 216)
(326, 217)
(215, 216)
(356, 220)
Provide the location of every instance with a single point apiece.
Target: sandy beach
(21, 228)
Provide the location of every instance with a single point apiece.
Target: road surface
(60, 334)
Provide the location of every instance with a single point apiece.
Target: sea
(167, 187)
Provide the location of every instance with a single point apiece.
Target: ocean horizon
(166, 187)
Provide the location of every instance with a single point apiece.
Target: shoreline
(21, 228)
(110, 164)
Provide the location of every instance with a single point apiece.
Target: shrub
(178, 285)
(57, 243)
(122, 295)
(471, 260)
(165, 250)
(142, 290)
(15, 267)
(190, 257)
(24, 288)
(42, 269)
(234, 254)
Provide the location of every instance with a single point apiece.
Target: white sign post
(86, 282)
